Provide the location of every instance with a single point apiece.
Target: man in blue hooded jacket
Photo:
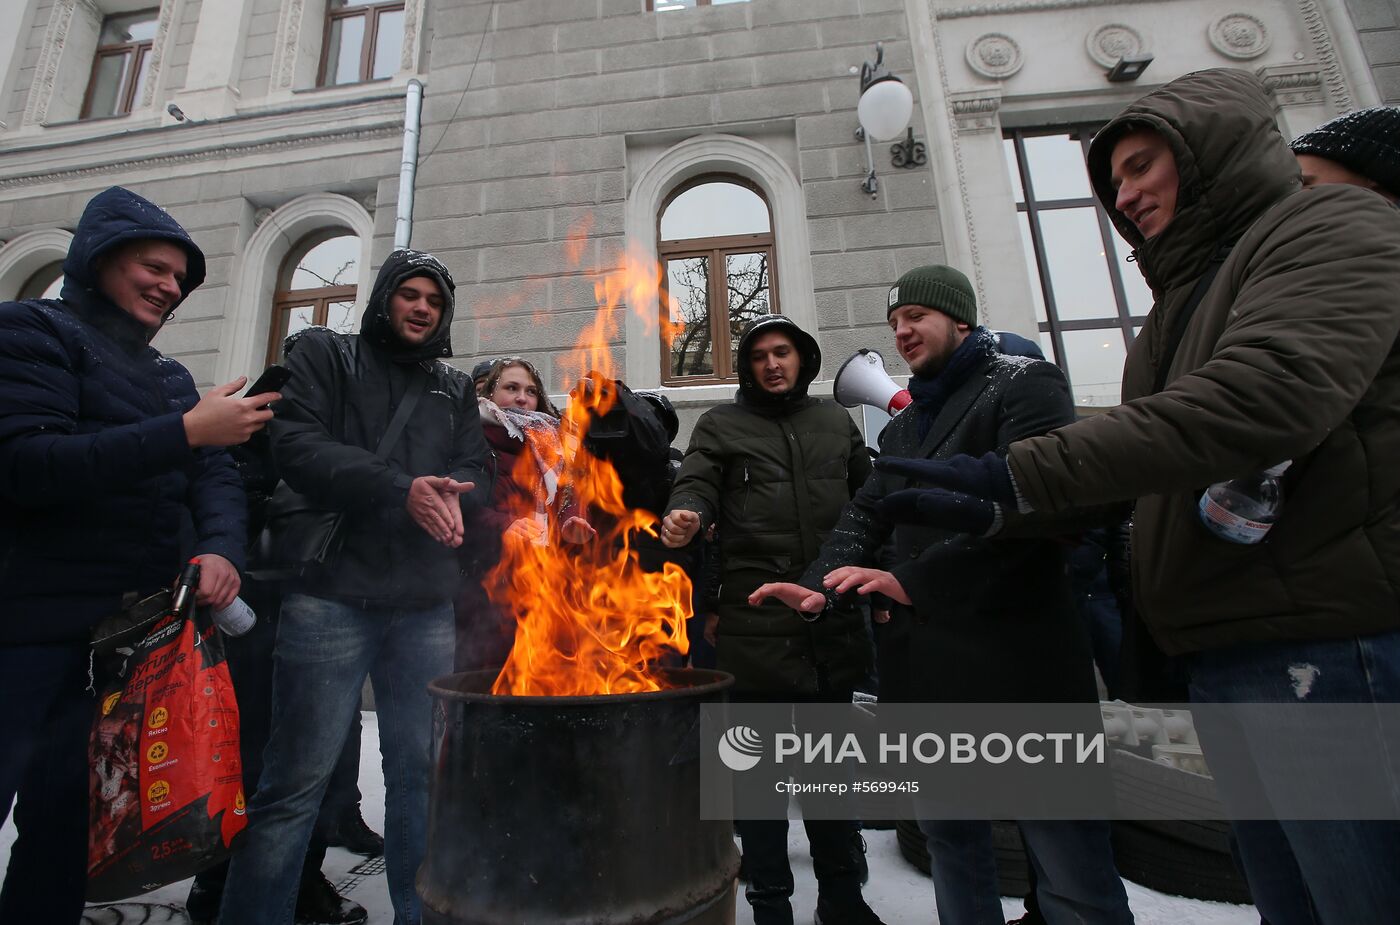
(112, 473)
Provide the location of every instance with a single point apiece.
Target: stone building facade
(556, 133)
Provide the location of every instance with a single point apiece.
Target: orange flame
(589, 620)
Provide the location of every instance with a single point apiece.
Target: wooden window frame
(127, 98)
(371, 12)
(716, 248)
(285, 300)
(1124, 321)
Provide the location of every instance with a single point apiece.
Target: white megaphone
(862, 380)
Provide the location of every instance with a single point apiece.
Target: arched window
(716, 244)
(316, 286)
(46, 283)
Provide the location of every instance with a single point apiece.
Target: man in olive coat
(773, 470)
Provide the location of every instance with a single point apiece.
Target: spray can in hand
(236, 619)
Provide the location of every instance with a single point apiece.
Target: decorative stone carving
(370, 201)
(1293, 84)
(995, 55)
(1239, 36)
(1112, 41)
(284, 53)
(159, 47)
(261, 216)
(1326, 52)
(975, 110)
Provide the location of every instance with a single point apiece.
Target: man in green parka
(773, 470)
(1273, 337)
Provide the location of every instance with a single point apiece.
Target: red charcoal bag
(166, 781)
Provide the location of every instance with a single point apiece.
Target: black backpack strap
(401, 414)
(1183, 317)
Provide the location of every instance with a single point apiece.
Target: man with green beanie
(974, 620)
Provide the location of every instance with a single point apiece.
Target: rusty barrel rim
(695, 683)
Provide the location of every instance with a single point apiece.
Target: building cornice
(241, 136)
(1005, 7)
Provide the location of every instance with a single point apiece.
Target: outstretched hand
(433, 504)
(793, 595)
(984, 477)
(866, 581)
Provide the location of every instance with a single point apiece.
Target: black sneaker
(355, 836)
(319, 904)
(847, 913)
(202, 905)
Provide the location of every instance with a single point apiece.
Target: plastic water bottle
(1242, 510)
(235, 619)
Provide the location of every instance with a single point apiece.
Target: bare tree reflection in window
(716, 237)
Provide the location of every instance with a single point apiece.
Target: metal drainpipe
(408, 167)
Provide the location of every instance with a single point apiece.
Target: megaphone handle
(899, 401)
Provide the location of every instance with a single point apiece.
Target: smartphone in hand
(272, 379)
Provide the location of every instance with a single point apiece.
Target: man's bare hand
(433, 504)
(793, 595)
(679, 527)
(866, 581)
(220, 419)
(218, 582)
(711, 631)
(880, 616)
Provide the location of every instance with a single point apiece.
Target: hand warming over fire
(866, 581)
(433, 505)
(679, 527)
(793, 595)
(527, 529)
(576, 530)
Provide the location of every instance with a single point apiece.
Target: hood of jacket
(1232, 162)
(113, 217)
(374, 324)
(750, 392)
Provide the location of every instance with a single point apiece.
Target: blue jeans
(1076, 881)
(1348, 869)
(325, 649)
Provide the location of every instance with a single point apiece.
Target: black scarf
(930, 394)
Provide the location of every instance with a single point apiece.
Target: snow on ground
(897, 891)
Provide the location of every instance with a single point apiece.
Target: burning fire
(588, 619)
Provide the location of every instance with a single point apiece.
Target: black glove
(985, 477)
(935, 507)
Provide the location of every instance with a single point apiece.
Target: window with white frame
(1089, 300)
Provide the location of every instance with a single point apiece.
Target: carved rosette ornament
(1112, 41)
(995, 55)
(1239, 36)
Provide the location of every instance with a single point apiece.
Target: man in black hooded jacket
(112, 473)
(383, 607)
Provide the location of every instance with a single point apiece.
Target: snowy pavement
(897, 891)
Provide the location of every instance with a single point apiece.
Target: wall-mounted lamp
(884, 110)
(1129, 67)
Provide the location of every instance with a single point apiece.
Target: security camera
(177, 112)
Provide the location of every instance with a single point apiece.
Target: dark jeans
(1347, 869)
(45, 717)
(1076, 880)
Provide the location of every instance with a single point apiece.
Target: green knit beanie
(937, 287)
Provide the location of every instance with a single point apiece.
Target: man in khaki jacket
(1273, 337)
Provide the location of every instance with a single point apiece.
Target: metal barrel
(573, 809)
